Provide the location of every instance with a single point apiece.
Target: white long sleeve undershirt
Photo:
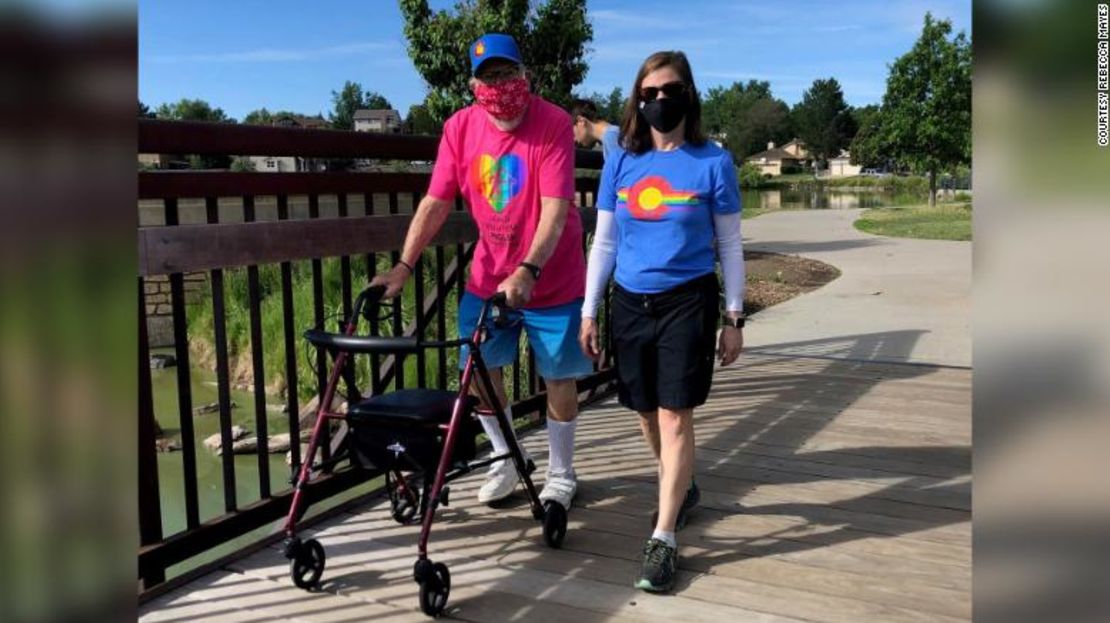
(603, 256)
(730, 252)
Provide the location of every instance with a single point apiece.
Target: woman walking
(663, 204)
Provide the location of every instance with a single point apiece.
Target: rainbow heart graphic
(498, 179)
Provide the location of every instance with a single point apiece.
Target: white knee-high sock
(560, 440)
(493, 431)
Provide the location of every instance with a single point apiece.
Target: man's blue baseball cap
(493, 45)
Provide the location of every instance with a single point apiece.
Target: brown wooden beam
(189, 248)
(178, 184)
(158, 136)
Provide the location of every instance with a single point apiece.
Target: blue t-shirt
(664, 203)
(610, 142)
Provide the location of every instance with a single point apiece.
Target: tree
(260, 116)
(926, 111)
(376, 101)
(614, 106)
(745, 117)
(242, 164)
(767, 120)
(351, 98)
(823, 120)
(552, 40)
(144, 111)
(420, 121)
(193, 110)
(868, 148)
(197, 110)
(609, 107)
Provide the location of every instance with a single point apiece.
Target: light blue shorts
(552, 334)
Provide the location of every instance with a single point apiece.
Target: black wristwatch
(532, 268)
(735, 323)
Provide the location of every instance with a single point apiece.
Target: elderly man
(511, 156)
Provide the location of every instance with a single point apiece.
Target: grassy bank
(946, 221)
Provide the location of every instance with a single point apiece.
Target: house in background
(841, 166)
(790, 158)
(277, 164)
(308, 123)
(156, 161)
(290, 164)
(377, 120)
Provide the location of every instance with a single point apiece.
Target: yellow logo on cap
(479, 48)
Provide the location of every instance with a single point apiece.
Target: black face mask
(664, 113)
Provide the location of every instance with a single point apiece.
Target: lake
(821, 197)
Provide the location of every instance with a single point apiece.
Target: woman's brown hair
(635, 131)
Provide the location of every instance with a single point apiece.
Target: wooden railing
(245, 222)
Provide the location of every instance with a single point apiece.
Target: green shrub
(750, 176)
(242, 164)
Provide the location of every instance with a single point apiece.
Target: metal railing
(273, 228)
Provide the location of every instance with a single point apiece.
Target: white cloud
(745, 75)
(277, 55)
(606, 19)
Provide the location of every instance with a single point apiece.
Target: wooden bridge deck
(832, 491)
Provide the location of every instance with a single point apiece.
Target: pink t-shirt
(502, 176)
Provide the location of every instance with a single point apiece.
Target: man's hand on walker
(394, 280)
(518, 288)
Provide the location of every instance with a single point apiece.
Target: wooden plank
(202, 247)
(229, 596)
(611, 558)
(389, 560)
(193, 137)
(186, 184)
(823, 516)
(187, 248)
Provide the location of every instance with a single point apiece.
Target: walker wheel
(307, 564)
(404, 510)
(434, 590)
(554, 524)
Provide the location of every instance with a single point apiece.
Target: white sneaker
(560, 489)
(501, 479)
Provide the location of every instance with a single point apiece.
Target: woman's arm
(730, 251)
(603, 257)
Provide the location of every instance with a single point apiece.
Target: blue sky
(280, 54)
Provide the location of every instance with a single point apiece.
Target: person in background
(511, 156)
(590, 129)
(664, 201)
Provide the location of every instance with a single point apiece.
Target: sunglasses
(499, 75)
(671, 90)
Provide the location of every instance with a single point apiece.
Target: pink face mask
(504, 100)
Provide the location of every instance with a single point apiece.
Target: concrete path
(897, 299)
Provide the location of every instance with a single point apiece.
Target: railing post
(150, 507)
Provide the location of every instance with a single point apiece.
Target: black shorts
(664, 344)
